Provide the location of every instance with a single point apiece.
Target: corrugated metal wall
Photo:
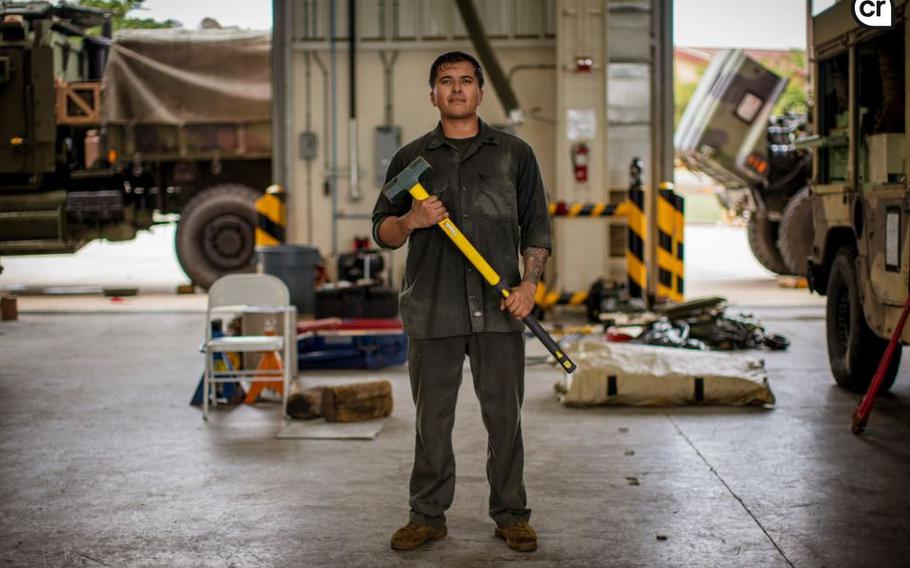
(423, 20)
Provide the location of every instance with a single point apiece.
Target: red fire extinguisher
(580, 161)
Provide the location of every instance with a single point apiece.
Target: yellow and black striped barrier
(636, 270)
(670, 247)
(670, 235)
(546, 299)
(633, 210)
(271, 217)
(598, 209)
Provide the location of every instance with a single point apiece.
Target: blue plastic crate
(352, 351)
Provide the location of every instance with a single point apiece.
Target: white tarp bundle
(640, 375)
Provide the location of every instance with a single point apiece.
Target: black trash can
(295, 265)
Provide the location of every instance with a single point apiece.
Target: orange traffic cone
(270, 361)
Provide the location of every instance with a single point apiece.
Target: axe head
(408, 178)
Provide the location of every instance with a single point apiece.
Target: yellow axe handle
(462, 242)
(465, 246)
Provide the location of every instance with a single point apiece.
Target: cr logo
(873, 13)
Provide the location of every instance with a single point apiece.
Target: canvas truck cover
(723, 131)
(181, 77)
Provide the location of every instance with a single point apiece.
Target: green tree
(120, 14)
(682, 94)
(683, 91)
(793, 99)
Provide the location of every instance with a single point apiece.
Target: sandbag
(640, 375)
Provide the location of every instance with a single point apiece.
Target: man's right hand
(394, 231)
(426, 213)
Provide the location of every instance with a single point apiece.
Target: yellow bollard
(679, 234)
(271, 217)
(670, 230)
(637, 271)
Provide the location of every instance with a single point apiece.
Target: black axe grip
(541, 334)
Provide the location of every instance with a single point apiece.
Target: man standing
(489, 183)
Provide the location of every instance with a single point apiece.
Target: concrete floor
(102, 462)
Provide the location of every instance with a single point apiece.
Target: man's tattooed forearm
(535, 260)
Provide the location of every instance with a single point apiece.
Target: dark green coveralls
(493, 191)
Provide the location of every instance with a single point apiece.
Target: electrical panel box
(308, 145)
(386, 143)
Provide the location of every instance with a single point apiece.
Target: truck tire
(216, 233)
(762, 240)
(854, 351)
(795, 234)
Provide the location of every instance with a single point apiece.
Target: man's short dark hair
(454, 57)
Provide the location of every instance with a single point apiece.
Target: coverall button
(477, 314)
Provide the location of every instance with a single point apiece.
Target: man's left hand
(521, 301)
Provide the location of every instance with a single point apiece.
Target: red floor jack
(861, 414)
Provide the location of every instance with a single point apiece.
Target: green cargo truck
(102, 138)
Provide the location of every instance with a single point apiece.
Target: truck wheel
(795, 234)
(216, 233)
(762, 240)
(853, 349)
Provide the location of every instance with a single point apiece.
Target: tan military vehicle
(860, 193)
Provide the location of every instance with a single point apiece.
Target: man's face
(456, 92)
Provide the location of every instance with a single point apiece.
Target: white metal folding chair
(238, 293)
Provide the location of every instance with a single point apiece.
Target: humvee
(859, 190)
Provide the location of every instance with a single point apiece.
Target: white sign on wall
(581, 124)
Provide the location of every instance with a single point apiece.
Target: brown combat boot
(414, 534)
(520, 536)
